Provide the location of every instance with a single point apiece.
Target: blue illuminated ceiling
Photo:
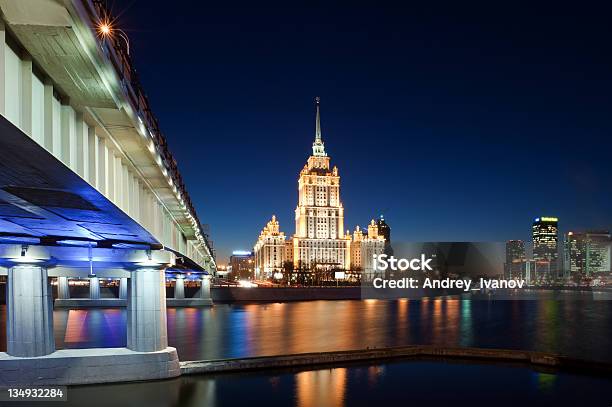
(42, 198)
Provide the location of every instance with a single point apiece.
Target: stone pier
(63, 288)
(29, 309)
(31, 358)
(94, 288)
(147, 329)
(179, 287)
(123, 288)
(201, 299)
(95, 299)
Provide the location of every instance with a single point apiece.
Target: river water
(576, 326)
(385, 384)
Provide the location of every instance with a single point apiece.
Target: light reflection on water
(572, 327)
(388, 384)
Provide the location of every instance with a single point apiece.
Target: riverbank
(545, 360)
(283, 294)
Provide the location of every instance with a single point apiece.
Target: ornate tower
(319, 217)
(318, 147)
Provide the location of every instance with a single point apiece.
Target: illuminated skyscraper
(515, 259)
(319, 217)
(587, 254)
(241, 265)
(319, 240)
(385, 231)
(546, 247)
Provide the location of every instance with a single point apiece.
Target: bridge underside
(88, 190)
(78, 97)
(45, 201)
(54, 224)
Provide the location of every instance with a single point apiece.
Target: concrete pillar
(26, 95)
(123, 288)
(68, 135)
(146, 325)
(179, 288)
(110, 171)
(29, 308)
(82, 146)
(63, 290)
(205, 287)
(94, 288)
(93, 159)
(49, 120)
(102, 164)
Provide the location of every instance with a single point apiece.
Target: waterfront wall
(232, 294)
(540, 360)
(219, 294)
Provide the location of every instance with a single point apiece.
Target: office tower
(587, 254)
(515, 259)
(545, 248)
(242, 265)
(385, 230)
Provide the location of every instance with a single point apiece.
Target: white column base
(179, 288)
(29, 309)
(63, 288)
(88, 366)
(205, 288)
(147, 330)
(123, 288)
(94, 288)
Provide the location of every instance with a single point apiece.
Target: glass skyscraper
(546, 247)
(587, 254)
(515, 259)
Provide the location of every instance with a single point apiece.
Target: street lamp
(106, 30)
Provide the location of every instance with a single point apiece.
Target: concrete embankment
(535, 359)
(231, 294)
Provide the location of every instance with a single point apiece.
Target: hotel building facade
(320, 240)
(270, 251)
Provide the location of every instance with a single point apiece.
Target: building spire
(318, 125)
(318, 148)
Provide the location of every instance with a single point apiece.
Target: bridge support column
(179, 287)
(94, 288)
(123, 288)
(63, 290)
(146, 324)
(205, 288)
(29, 327)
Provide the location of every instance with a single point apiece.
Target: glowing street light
(106, 30)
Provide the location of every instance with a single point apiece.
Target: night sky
(457, 121)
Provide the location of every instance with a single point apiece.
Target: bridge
(90, 191)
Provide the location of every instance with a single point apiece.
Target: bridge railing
(117, 53)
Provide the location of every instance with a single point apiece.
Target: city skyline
(456, 95)
(448, 130)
